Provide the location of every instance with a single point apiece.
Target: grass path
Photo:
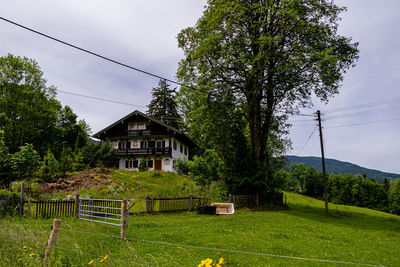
(351, 234)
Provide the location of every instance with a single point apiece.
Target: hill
(337, 166)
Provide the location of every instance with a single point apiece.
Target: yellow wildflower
(221, 261)
(25, 247)
(19, 259)
(32, 254)
(90, 262)
(105, 257)
(218, 265)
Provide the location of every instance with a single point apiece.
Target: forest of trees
(38, 136)
(346, 189)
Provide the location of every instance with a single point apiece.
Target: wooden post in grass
(147, 204)
(190, 202)
(21, 206)
(152, 205)
(76, 211)
(29, 207)
(52, 240)
(123, 220)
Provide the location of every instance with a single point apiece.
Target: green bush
(142, 166)
(9, 202)
(182, 166)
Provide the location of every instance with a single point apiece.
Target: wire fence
(228, 250)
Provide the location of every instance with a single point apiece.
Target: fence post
(21, 206)
(123, 220)
(76, 212)
(147, 204)
(257, 201)
(190, 202)
(29, 207)
(52, 240)
(230, 198)
(152, 205)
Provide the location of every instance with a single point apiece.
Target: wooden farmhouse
(138, 137)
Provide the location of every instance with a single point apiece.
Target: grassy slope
(353, 234)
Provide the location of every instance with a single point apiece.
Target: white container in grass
(224, 208)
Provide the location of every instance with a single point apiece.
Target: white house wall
(167, 161)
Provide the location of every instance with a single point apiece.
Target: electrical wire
(362, 113)
(100, 99)
(307, 140)
(375, 103)
(98, 55)
(357, 124)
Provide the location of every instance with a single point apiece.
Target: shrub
(50, 169)
(182, 167)
(142, 166)
(9, 202)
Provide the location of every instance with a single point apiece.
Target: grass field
(351, 234)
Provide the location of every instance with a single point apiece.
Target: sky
(143, 34)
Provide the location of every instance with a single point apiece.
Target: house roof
(137, 112)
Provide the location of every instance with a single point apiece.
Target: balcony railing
(144, 151)
(139, 132)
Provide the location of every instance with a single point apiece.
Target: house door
(157, 164)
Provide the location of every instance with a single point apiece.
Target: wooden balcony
(139, 132)
(144, 151)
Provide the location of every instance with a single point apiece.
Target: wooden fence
(51, 208)
(172, 204)
(259, 199)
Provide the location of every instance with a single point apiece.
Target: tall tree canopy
(267, 58)
(28, 109)
(163, 105)
(29, 112)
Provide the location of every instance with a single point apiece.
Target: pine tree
(163, 105)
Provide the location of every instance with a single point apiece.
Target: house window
(119, 145)
(142, 127)
(152, 144)
(174, 144)
(130, 164)
(135, 164)
(185, 151)
(150, 163)
(159, 144)
(128, 145)
(126, 164)
(181, 148)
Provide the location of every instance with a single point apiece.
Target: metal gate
(108, 211)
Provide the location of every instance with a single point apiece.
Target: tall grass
(349, 234)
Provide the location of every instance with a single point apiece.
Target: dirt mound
(86, 179)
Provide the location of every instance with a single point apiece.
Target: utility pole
(323, 160)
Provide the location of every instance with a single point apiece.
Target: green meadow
(289, 237)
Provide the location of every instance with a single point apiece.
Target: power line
(362, 113)
(99, 56)
(307, 141)
(357, 124)
(100, 99)
(375, 103)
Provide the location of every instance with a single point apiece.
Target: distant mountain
(337, 166)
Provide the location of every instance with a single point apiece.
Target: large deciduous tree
(268, 57)
(28, 109)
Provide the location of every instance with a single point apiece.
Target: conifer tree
(163, 105)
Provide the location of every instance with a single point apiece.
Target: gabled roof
(137, 112)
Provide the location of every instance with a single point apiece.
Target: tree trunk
(256, 130)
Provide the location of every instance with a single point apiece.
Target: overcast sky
(143, 34)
